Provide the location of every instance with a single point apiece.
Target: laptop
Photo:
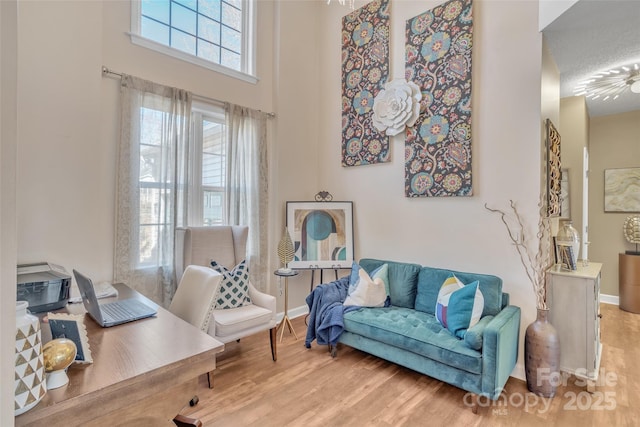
(111, 313)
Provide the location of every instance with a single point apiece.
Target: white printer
(45, 286)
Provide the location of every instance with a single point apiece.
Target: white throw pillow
(367, 292)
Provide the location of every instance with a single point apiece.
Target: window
(216, 34)
(152, 193)
(208, 134)
(208, 177)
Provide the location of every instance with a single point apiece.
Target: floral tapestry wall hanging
(438, 59)
(365, 70)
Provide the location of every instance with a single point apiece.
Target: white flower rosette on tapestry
(396, 106)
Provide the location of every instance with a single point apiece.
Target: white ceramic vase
(30, 385)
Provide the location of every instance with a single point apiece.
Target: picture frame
(567, 257)
(71, 326)
(554, 169)
(565, 195)
(622, 190)
(322, 234)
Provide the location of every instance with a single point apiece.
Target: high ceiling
(594, 36)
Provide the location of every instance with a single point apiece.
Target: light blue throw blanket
(326, 312)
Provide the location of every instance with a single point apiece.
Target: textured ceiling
(593, 36)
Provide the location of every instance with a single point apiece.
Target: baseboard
(303, 310)
(610, 299)
(519, 372)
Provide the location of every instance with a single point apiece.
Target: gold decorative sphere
(58, 354)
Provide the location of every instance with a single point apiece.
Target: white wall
(8, 137)
(457, 233)
(69, 118)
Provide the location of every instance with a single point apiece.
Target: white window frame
(199, 112)
(249, 44)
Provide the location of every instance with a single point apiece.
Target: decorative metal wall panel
(365, 70)
(438, 59)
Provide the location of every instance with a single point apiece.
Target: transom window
(217, 34)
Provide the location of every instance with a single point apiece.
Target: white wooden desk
(143, 373)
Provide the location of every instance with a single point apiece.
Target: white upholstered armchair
(227, 246)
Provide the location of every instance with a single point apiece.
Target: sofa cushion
(230, 321)
(414, 331)
(430, 279)
(234, 288)
(403, 280)
(473, 338)
(368, 291)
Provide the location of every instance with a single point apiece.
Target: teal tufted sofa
(407, 332)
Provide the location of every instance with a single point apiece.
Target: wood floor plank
(306, 387)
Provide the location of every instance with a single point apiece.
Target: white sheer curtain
(247, 183)
(151, 198)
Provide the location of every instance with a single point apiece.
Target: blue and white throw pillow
(234, 288)
(459, 306)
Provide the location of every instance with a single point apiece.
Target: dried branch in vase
(534, 253)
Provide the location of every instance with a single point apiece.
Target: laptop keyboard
(123, 309)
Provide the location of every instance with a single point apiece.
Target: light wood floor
(306, 387)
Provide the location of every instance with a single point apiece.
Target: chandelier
(610, 84)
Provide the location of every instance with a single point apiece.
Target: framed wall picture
(554, 172)
(322, 234)
(622, 190)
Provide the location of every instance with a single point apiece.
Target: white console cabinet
(574, 310)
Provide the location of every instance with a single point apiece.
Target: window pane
(155, 31)
(156, 9)
(150, 161)
(212, 204)
(212, 170)
(183, 19)
(208, 51)
(211, 8)
(150, 126)
(183, 42)
(212, 137)
(230, 59)
(208, 29)
(180, 24)
(213, 154)
(231, 16)
(231, 39)
(148, 245)
(235, 3)
(191, 4)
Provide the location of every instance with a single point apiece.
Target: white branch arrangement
(535, 265)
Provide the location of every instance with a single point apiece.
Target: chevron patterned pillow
(234, 289)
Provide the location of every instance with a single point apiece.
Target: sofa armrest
(500, 350)
(262, 299)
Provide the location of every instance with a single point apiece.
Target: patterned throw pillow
(234, 289)
(459, 307)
